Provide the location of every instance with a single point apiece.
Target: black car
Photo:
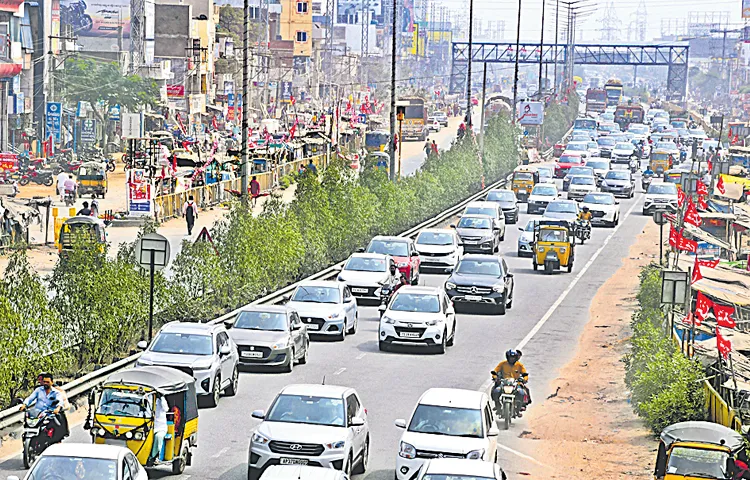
(481, 280)
(507, 201)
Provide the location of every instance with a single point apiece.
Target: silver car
(366, 274)
(326, 307)
(202, 350)
(269, 335)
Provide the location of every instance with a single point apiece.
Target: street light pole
(245, 100)
(470, 58)
(541, 51)
(392, 168)
(515, 73)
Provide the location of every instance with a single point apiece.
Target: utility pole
(468, 74)
(557, 39)
(515, 69)
(481, 119)
(541, 50)
(393, 94)
(245, 101)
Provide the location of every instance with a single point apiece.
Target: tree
(31, 334)
(103, 86)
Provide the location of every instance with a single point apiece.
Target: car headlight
(282, 344)
(259, 439)
(562, 250)
(487, 239)
(498, 288)
(407, 450)
(334, 316)
(388, 320)
(198, 367)
(434, 322)
(475, 454)
(335, 445)
(403, 264)
(450, 285)
(541, 249)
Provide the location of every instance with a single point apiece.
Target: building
(296, 24)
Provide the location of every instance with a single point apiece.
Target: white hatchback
(447, 423)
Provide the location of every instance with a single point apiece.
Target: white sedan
(580, 186)
(86, 460)
(604, 208)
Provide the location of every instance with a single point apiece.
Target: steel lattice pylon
(137, 34)
(365, 45)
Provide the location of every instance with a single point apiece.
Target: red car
(403, 252)
(566, 161)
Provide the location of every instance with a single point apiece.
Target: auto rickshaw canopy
(703, 432)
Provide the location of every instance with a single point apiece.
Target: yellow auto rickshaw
(378, 161)
(553, 245)
(660, 161)
(697, 450)
(124, 414)
(523, 182)
(92, 179)
(81, 229)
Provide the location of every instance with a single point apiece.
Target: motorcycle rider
(49, 400)
(585, 215)
(511, 367)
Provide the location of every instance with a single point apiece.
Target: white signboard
(132, 125)
(530, 113)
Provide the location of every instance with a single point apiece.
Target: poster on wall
(139, 193)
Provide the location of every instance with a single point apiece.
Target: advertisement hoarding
(530, 113)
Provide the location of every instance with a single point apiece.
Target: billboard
(97, 18)
(530, 113)
(351, 8)
(745, 8)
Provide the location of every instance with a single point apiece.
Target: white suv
(418, 316)
(314, 425)
(447, 423)
(202, 350)
(660, 196)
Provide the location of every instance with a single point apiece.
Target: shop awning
(9, 70)
(699, 234)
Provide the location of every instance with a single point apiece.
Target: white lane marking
(220, 452)
(340, 371)
(519, 454)
(361, 356)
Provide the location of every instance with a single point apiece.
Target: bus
(415, 118)
(613, 87)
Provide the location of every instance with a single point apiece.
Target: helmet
(585, 209)
(512, 356)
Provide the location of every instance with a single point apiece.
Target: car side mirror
(285, 298)
(225, 350)
(520, 229)
(400, 423)
(414, 254)
(509, 275)
(493, 432)
(360, 250)
(357, 422)
(453, 226)
(259, 414)
(142, 345)
(559, 194)
(228, 324)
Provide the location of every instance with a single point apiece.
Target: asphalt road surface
(548, 315)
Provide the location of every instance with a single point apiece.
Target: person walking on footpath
(190, 211)
(254, 189)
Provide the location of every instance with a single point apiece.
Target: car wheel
(252, 474)
(348, 466)
(535, 266)
(501, 306)
(452, 340)
(353, 330)
(303, 358)
(342, 335)
(362, 466)
(502, 237)
(213, 399)
(441, 347)
(233, 387)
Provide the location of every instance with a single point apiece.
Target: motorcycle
(646, 181)
(633, 165)
(111, 165)
(40, 177)
(582, 230)
(504, 395)
(69, 198)
(38, 434)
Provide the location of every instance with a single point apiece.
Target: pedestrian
(95, 208)
(190, 211)
(427, 147)
(85, 211)
(61, 177)
(312, 168)
(434, 148)
(254, 189)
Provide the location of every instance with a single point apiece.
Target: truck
(596, 100)
(415, 118)
(628, 113)
(613, 87)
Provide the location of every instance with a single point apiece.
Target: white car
(447, 423)
(418, 316)
(580, 186)
(314, 425)
(660, 196)
(669, 147)
(433, 125)
(491, 209)
(326, 307)
(622, 152)
(366, 273)
(600, 166)
(581, 148)
(541, 196)
(460, 469)
(86, 460)
(302, 472)
(438, 249)
(594, 149)
(604, 208)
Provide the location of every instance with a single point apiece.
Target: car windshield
(365, 264)
(269, 321)
(416, 302)
(53, 466)
(481, 223)
(316, 294)
(577, 147)
(489, 211)
(697, 462)
(583, 181)
(183, 343)
(435, 238)
(530, 225)
(586, 123)
(624, 146)
(605, 141)
(580, 171)
(561, 207)
(662, 189)
(597, 165)
(550, 235)
(456, 422)
(388, 247)
(545, 172)
(308, 410)
(665, 145)
(124, 403)
(570, 159)
(599, 199)
(592, 145)
(610, 128)
(506, 195)
(479, 267)
(544, 190)
(618, 175)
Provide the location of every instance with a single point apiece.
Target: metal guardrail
(12, 417)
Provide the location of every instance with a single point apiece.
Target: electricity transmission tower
(610, 29)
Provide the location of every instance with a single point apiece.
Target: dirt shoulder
(589, 430)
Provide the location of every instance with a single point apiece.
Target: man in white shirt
(160, 427)
(61, 177)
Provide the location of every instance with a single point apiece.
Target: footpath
(588, 429)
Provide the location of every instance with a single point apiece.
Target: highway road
(547, 317)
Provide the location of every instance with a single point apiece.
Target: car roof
(476, 215)
(301, 472)
(562, 200)
(419, 290)
(545, 185)
(452, 397)
(438, 230)
(482, 204)
(317, 390)
(390, 238)
(461, 466)
(87, 450)
(480, 256)
(188, 327)
(378, 256)
(320, 283)
(266, 308)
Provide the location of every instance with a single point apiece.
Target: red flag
(723, 315)
(720, 185)
(687, 245)
(697, 275)
(214, 125)
(706, 262)
(292, 131)
(292, 100)
(702, 305)
(680, 197)
(702, 203)
(673, 236)
(710, 166)
(691, 214)
(701, 188)
(723, 344)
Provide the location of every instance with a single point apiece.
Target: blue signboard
(88, 131)
(53, 119)
(114, 113)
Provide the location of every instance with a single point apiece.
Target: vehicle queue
(151, 415)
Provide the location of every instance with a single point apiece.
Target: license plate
(293, 461)
(410, 334)
(473, 298)
(252, 354)
(359, 290)
(313, 326)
